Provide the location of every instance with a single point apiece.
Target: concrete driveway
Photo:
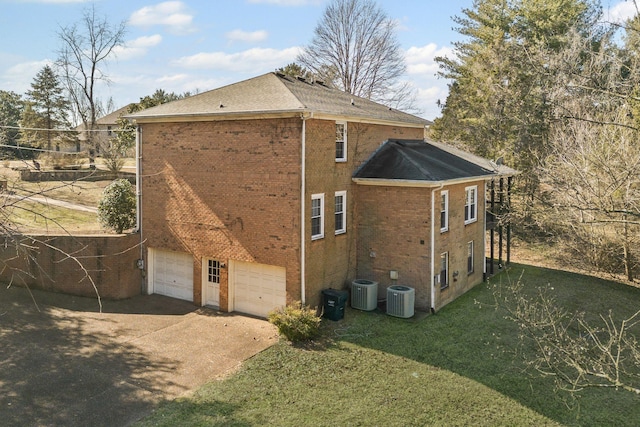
(64, 363)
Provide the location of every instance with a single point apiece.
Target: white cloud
(137, 48)
(422, 71)
(246, 36)
(171, 14)
(620, 12)
(421, 60)
(288, 2)
(18, 78)
(245, 61)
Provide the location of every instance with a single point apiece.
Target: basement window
(444, 270)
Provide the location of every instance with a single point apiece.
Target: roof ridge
(280, 77)
(408, 158)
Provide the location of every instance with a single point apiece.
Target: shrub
(296, 322)
(117, 209)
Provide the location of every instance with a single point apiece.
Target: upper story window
(340, 211)
(471, 204)
(444, 211)
(341, 141)
(317, 216)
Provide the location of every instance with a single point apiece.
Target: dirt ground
(63, 363)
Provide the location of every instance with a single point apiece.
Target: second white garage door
(172, 274)
(258, 288)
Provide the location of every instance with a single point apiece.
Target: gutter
(433, 243)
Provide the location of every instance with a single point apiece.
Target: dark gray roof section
(427, 161)
(277, 93)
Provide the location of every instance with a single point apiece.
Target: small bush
(296, 322)
(117, 209)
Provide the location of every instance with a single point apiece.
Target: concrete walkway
(54, 202)
(62, 363)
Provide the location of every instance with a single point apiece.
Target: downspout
(433, 244)
(303, 198)
(141, 263)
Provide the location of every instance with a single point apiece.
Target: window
(213, 273)
(444, 270)
(470, 257)
(444, 211)
(471, 204)
(317, 216)
(341, 217)
(341, 142)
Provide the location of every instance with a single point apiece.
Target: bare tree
(592, 163)
(577, 353)
(86, 46)
(356, 49)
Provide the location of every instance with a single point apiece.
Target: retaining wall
(65, 263)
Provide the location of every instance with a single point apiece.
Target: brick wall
(331, 261)
(229, 190)
(224, 190)
(455, 240)
(394, 226)
(394, 234)
(42, 263)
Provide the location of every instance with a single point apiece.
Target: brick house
(267, 191)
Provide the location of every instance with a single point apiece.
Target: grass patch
(84, 193)
(34, 217)
(458, 367)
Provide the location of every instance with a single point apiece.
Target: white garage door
(172, 274)
(258, 288)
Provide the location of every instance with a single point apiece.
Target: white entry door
(258, 288)
(211, 282)
(171, 274)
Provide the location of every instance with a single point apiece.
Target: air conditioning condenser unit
(400, 301)
(364, 294)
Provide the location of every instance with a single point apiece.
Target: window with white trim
(444, 211)
(213, 271)
(471, 204)
(444, 270)
(470, 257)
(317, 216)
(341, 141)
(341, 212)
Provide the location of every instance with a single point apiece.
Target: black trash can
(334, 302)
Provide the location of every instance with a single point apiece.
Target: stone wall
(74, 175)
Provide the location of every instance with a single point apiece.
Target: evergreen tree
(11, 106)
(48, 102)
(498, 105)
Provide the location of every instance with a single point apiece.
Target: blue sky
(198, 45)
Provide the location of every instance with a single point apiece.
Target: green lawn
(458, 367)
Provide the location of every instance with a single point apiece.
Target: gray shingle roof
(277, 93)
(427, 161)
